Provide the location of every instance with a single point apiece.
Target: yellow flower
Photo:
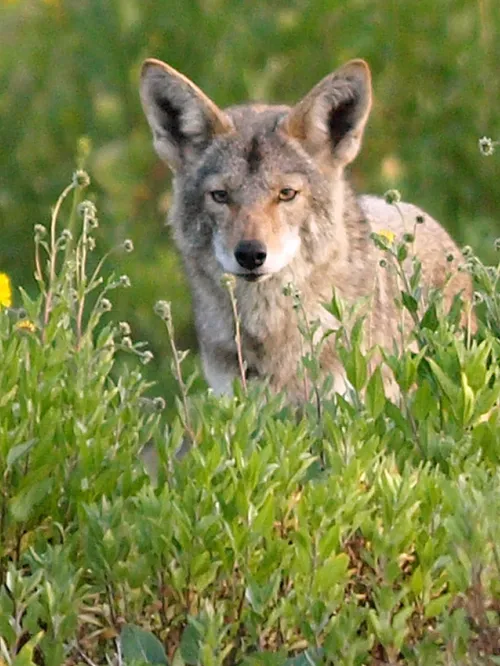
(5, 291)
(388, 235)
(26, 325)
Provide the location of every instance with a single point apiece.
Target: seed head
(81, 178)
(382, 263)
(420, 219)
(392, 196)
(40, 231)
(66, 235)
(91, 243)
(106, 305)
(128, 246)
(477, 298)
(449, 258)
(159, 404)
(228, 281)
(163, 309)
(408, 238)
(124, 328)
(486, 146)
(127, 342)
(88, 208)
(124, 281)
(146, 357)
(497, 244)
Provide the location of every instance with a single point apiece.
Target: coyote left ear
(184, 121)
(330, 120)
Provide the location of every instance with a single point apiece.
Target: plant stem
(229, 284)
(53, 253)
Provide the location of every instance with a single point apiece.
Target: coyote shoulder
(260, 193)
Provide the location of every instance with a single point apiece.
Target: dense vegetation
(70, 69)
(361, 531)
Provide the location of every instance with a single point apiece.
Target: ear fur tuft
(331, 119)
(182, 118)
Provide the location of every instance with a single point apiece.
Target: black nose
(250, 254)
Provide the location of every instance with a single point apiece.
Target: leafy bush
(362, 531)
(70, 69)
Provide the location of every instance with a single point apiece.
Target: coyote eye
(220, 196)
(287, 194)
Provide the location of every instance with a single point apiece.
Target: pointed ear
(183, 120)
(330, 120)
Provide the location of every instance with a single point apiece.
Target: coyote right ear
(330, 120)
(183, 120)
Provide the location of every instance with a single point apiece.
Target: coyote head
(261, 184)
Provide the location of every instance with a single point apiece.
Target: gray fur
(320, 240)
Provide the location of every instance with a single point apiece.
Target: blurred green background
(70, 69)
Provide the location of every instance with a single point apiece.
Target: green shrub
(362, 531)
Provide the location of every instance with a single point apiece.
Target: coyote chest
(260, 193)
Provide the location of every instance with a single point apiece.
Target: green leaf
(18, 451)
(307, 658)
(138, 644)
(7, 397)
(448, 386)
(430, 319)
(22, 505)
(335, 307)
(468, 400)
(424, 401)
(265, 659)
(25, 657)
(333, 571)
(190, 645)
(402, 253)
(329, 542)
(375, 395)
(437, 606)
(356, 368)
(409, 302)
(264, 520)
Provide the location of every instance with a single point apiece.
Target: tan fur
(319, 239)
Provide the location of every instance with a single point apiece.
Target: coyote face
(260, 192)
(256, 211)
(250, 168)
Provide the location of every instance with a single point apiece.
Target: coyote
(260, 193)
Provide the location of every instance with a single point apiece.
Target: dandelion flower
(5, 291)
(387, 234)
(26, 325)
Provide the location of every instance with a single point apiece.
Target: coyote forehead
(260, 192)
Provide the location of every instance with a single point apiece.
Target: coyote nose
(250, 254)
